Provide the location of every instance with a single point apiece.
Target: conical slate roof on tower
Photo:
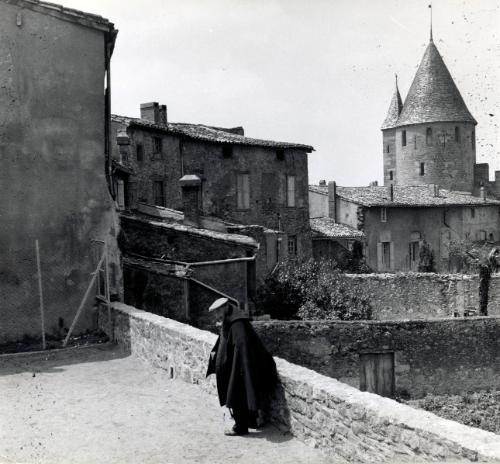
(433, 96)
(395, 107)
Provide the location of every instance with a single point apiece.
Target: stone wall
(439, 356)
(423, 295)
(350, 425)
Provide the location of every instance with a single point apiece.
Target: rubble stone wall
(424, 295)
(351, 425)
(437, 356)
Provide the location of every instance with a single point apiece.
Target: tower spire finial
(430, 7)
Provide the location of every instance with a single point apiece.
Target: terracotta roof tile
(209, 134)
(433, 95)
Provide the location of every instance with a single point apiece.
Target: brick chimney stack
(163, 115)
(190, 185)
(332, 205)
(150, 112)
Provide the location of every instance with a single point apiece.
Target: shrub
(311, 290)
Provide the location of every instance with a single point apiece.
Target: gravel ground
(97, 405)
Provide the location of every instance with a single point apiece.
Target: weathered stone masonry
(351, 425)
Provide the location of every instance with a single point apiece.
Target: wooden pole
(40, 292)
(107, 291)
(82, 304)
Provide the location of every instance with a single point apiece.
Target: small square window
(227, 151)
(280, 154)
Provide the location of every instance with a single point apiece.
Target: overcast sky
(319, 72)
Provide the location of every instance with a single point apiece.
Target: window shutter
(391, 252)
(379, 256)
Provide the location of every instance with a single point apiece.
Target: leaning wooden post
(40, 292)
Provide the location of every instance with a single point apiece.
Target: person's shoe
(235, 431)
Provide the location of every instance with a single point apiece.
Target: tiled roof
(209, 134)
(394, 111)
(327, 227)
(433, 95)
(418, 196)
(323, 190)
(86, 19)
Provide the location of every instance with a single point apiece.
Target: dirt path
(93, 405)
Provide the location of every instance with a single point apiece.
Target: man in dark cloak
(245, 372)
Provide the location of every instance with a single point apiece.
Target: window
(457, 134)
(391, 175)
(422, 169)
(473, 139)
(403, 138)
(428, 136)
(227, 151)
(386, 255)
(280, 154)
(290, 191)
(158, 196)
(383, 214)
(243, 190)
(388, 150)
(292, 245)
(490, 237)
(139, 152)
(414, 253)
(472, 213)
(157, 145)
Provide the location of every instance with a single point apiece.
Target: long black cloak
(245, 371)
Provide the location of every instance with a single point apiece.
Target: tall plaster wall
(52, 181)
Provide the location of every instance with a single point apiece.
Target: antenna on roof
(430, 7)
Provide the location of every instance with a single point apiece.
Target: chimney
(163, 115)
(373, 183)
(151, 112)
(482, 193)
(434, 190)
(322, 183)
(332, 205)
(190, 185)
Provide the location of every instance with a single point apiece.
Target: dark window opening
(422, 169)
(292, 245)
(491, 238)
(157, 145)
(280, 154)
(388, 149)
(391, 175)
(227, 151)
(158, 195)
(428, 136)
(403, 138)
(139, 152)
(457, 134)
(472, 213)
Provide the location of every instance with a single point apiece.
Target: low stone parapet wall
(351, 425)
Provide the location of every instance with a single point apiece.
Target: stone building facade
(54, 134)
(243, 180)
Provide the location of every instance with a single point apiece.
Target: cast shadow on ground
(54, 361)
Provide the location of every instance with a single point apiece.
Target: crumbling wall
(424, 295)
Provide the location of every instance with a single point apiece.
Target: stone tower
(434, 135)
(389, 136)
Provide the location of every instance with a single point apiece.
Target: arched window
(457, 134)
(428, 136)
(403, 138)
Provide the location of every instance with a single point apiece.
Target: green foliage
(426, 258)
(311, 290)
